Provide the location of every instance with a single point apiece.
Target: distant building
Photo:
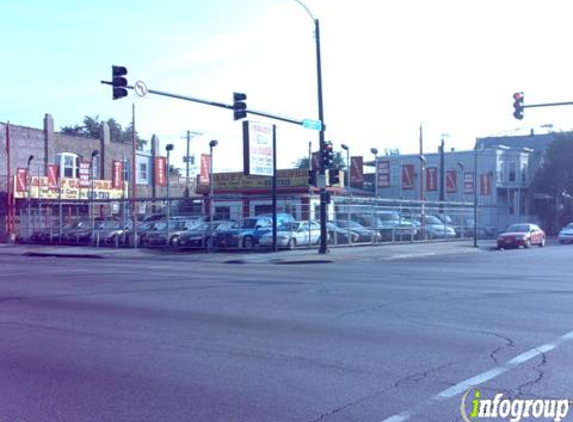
(505, 168)
(42, 166)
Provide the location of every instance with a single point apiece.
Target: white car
(566, 234)
(291, 235)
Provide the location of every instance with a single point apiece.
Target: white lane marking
(480, 379)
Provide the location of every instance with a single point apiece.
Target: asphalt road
(371, 340)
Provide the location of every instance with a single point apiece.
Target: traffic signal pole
(217, 104)
(322, 170)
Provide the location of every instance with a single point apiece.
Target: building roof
(533, 141)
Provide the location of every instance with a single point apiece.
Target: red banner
(451, 181)
(469, 183)
(53, 170)
(117, 174)
(383, 174)
(21, 180)
(431, 179)
(356, 171)
(205, 169)
(485, 184)
(160, 165)
(407, 176)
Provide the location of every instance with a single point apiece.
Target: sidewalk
(381, 252)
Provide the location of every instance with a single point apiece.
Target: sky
(388, 67)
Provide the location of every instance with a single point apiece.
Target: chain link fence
(245, 223)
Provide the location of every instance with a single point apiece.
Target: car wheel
(174, 241)
(248, 242)
(527, 243)
(542, 243)
(291, 244)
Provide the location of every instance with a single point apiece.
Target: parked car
(158, 236)
(340, 236)
(430, 227)
(566, 234)
(243, 234)
(523, 234)
(388, 223)
(362, 233)
(114, 232)
(293, 234)
(200, 235)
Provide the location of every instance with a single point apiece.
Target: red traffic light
(518, 96)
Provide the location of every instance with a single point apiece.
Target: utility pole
(190, 135)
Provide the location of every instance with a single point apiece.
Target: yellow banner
(238, 181)
(70, 189)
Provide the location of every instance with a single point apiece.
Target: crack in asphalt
(415, 378)
(386, 305)
(540, 374)
(509, 343)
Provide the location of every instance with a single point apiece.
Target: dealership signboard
(258, 149)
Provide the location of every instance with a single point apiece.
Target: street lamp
(29, 188)
(168, 148)
(347, 149)
(95, 153)
(323, 230)
(212, 145)
(375, 152)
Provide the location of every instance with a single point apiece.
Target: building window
(142, 173)
(524, 173)
(512, 172)
(69, 165)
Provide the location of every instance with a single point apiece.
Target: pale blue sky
(388, 66)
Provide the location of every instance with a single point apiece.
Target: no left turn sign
(140, 89)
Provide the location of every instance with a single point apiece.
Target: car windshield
(349, 224)
(518, 228)
(110, 225)
(388, 216)
(248, 223)
(289, 226)
(430, 219)
(569, 226)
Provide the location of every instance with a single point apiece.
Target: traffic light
(119, 82)
(518, 105)
(334, 177)
(327, 155)
(239, 105)
(312, 177)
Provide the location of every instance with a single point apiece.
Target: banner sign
(205, 169)
(356, 171)
(315, 163)
(485, 184)
(53, 170)
(85, 167)
(383, 174)
(407, 176)
(21, 180)
(469, 183)
(71, 189)
(117, 174)
(451, 181)
(237, 181)
(431, 179)
(160, 164)
(257, 149)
